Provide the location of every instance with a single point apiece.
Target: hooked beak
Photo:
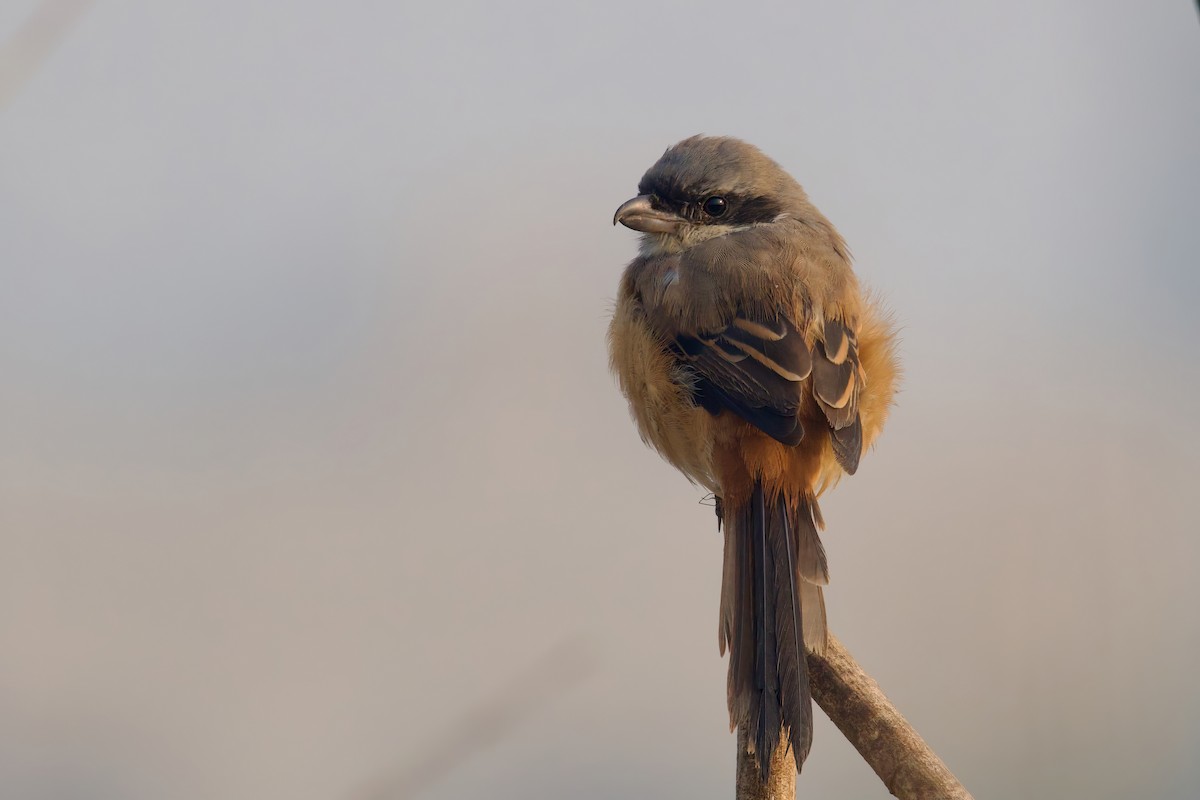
(641, 215)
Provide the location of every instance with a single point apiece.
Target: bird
(755, 363)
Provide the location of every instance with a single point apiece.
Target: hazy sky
(309, 455)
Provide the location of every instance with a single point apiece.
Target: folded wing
(760, 368)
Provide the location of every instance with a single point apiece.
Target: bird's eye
(715, 206)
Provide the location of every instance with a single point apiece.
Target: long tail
(771, 608)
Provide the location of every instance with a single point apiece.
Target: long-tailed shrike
(756, 365)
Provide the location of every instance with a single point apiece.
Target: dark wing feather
(755, 368)
(758, 367)
(837, 382)
(847, 445)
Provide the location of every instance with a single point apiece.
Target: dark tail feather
(771, 605)
(769, 655)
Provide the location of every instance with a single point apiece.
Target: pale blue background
(308, 448)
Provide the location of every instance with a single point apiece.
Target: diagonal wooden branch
(853, 700)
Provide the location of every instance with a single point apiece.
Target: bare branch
(781, 783)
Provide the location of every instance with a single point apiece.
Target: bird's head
(709, 186)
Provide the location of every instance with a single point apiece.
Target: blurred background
(314, 483)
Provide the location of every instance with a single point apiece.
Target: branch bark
(781, 783)
(854, 702)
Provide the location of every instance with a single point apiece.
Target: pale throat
(661, 244)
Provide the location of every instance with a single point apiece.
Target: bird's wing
(755, 368)
(837, 381)
(759, 368)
